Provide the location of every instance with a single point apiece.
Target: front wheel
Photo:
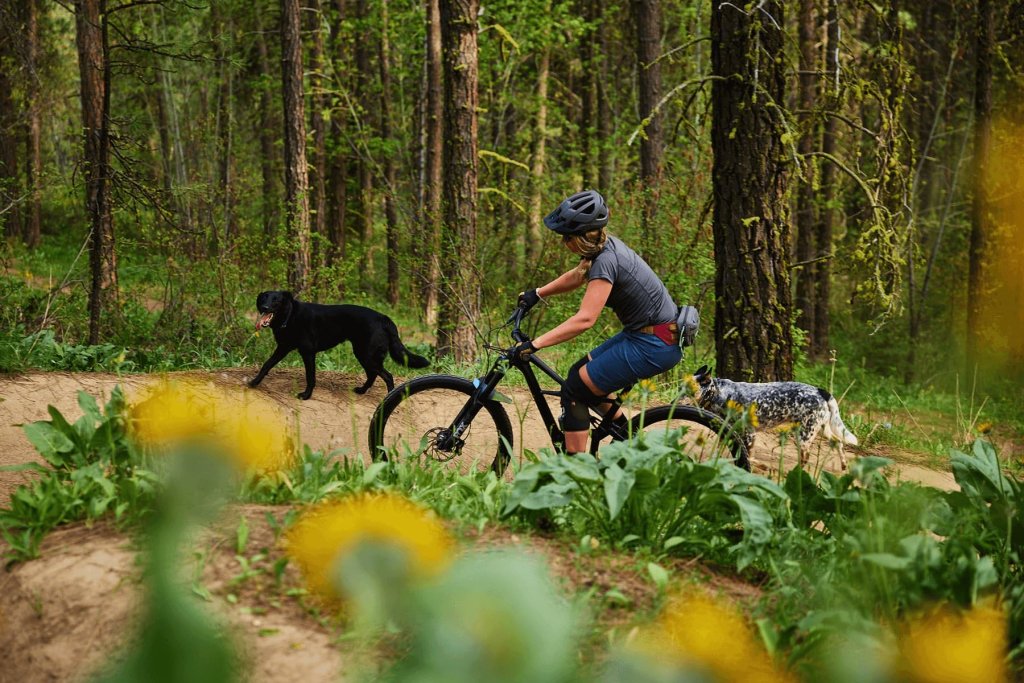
(441, 421)
(705, 436)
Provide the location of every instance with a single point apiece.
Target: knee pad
(575, 398)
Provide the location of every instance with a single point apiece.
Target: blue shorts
(630, 356)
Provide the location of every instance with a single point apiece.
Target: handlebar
(516, 319)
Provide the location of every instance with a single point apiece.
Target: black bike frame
(486, 385)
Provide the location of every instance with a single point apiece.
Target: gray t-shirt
(638, 296)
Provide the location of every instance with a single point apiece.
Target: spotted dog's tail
(835, 429)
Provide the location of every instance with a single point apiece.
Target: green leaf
(617, 485)
(659, 575)
(51, 443)
(887, 560)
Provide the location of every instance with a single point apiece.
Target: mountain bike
(452, 421)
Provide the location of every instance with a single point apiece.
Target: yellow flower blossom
(984, 427)
(327, 533)
(946, 645)
(752, 415)
(695, 632)
(244, 426)
(692, 388)
(647, 386)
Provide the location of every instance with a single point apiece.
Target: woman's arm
(590, 308)
(566, 282)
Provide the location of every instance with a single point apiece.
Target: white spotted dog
(777, 403)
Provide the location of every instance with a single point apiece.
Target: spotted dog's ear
(703, 376)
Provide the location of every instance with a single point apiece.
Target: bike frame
(601, 428)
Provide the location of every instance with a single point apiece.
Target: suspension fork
(484, 389)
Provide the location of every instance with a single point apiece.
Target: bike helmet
(579, 213)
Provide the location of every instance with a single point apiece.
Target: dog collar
(291, 307)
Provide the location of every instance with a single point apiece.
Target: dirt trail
(65, 613)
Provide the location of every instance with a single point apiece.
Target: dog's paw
(304, 395)
(253, 383)
(360, 390)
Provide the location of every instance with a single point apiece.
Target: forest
(837, 187)
(195, 152)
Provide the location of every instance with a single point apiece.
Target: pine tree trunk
(365, 114)
(10, 191)
(94, 70)
(647, 14)
(750, 178)
(433, 157)
(33, 156)
(267, 125)
(805, 205)
(296, 172)
(390, 212)
(985, 41)
(827, 214)
(534, 237)
(318, 104)
(339, 158)
(460, 301)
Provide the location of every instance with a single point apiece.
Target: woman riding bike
(617, 277)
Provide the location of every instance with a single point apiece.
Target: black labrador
(312, 327)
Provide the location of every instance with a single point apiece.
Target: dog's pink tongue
(263, 320)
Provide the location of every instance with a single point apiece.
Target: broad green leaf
(887, 560)
(617, 486)
(659, 575)
(51, 443)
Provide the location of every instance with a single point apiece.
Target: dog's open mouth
(264, 320)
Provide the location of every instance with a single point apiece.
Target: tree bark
(647, 14)
(339, 158)
(534, 237)
(827, 213)
(460, 302)
(805, 205)
(225, 129)
(750, 178)
(980, 222)
(318, 104)
(296, 171)
(94, 71)
(33, 156)
(10, 191)
(366, 113)
(433, 157)
(268, 177)
(390, 212)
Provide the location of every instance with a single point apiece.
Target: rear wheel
(704, 436)
(440, 421)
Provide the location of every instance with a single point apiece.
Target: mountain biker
(617, 277)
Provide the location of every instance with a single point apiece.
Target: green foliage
(94, 470)
(474, 499)
(651, 494)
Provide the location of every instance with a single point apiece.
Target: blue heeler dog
(777, 403)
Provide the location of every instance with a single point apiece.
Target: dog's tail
(399, 353)
(835, 429)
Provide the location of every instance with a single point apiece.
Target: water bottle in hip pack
(688, 321)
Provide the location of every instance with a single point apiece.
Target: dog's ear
(702, 375)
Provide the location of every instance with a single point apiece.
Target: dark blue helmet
(579, 213)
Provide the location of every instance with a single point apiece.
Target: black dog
(316, 327)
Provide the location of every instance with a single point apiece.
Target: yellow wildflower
(695, 632)
(327, 533)
(243, 426)
(752, 415)
(692, 388)
(984, 427)
(733, 406)
(946, 645)
(647, 386)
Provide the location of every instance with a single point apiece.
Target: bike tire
(709, 436)
(412, 417)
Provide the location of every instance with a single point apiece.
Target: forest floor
(63, 614)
